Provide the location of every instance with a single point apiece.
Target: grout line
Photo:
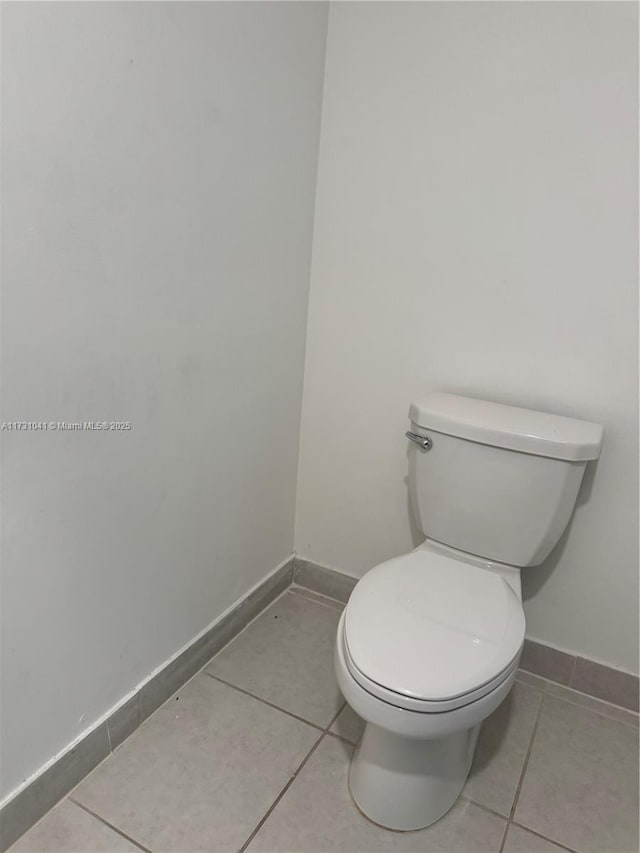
(326, 731)
(317, 598)
(534, 731)
(594, 710)
(282, 793)
(547, 681)
(290, 782)
(343, 705)
(300, 589)
(504, 836)
(597, 711)
(482, 806)
(266, 702)
(574, 666)
(110, 825)
(545, 837)
(541, 688)
(344, 739)
(510, 822)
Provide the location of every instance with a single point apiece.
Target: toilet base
(405, 783)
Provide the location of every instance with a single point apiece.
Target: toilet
(429, 642)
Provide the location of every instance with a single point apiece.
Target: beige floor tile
(502, 748)
(522, 841)
(286, 657)
(201, 772)
(69, 829)
(348, 725)
(581, 784)
(317, 815)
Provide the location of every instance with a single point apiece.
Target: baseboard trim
(328, 582)
(582, 674)
(578, 673)
(35, 799)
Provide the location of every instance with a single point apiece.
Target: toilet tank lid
(510, 427)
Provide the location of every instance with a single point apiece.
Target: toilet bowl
(429, 643)
(427, 648)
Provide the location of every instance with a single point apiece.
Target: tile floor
(252, 754)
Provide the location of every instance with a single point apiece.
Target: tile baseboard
(547, 662)
(327, 582)
(31, 803)
(605, 682)
(581, 674)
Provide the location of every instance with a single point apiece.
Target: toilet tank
(497, 481)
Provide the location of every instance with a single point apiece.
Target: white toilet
(429, 643)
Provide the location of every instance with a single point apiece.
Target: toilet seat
(425, 706)
(430, 633)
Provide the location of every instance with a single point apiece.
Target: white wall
(159, 172)
(476, 231)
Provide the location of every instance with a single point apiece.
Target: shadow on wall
(536, 576)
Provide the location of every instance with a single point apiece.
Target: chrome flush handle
(423, 442)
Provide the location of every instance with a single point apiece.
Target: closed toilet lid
(431, 627)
